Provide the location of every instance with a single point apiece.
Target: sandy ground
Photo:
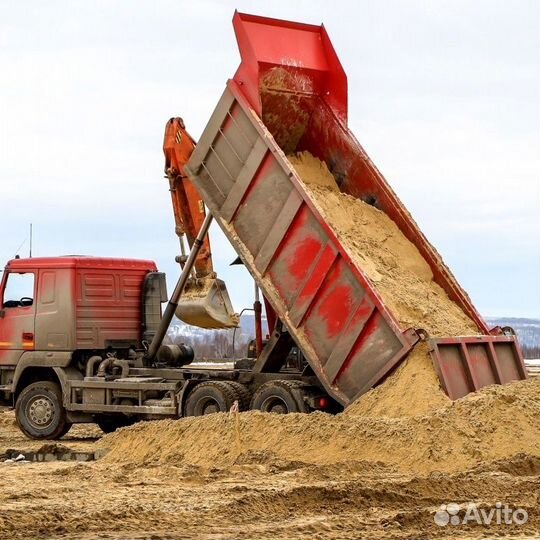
(255, 495)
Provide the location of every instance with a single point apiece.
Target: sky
(443, 95)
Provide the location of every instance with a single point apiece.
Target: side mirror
(2, 313)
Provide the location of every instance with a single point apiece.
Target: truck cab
(69, 304)
(56, 312)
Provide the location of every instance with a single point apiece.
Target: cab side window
(19, 290)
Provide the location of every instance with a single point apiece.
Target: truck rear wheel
(243, 395)
(213, 397)
(40, 413)
(280, 397)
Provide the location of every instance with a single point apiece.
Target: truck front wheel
(40, 413)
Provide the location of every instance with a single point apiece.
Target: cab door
(17, 316)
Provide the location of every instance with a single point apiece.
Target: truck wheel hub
(274, 405)
(41, 411)
(210, 407)
(279, 408)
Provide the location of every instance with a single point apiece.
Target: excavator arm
(205, 301)
(188, 206)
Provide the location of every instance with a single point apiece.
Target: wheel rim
(209, 406)
(40, 411)
(275, 405)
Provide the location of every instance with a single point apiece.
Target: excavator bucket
(205, 303)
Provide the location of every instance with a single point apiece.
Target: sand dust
(393, 264)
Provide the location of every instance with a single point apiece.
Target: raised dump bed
(290, 95)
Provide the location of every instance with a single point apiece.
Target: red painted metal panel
(290, 56)
(86, 302)
(79, 261)
(108, 306)
(313, 283)
(292, 77)
(468, 364)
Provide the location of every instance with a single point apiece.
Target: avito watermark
(469, 513)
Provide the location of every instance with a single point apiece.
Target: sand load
(393, 264)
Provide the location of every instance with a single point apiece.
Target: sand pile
(412, 390)
(495, 423)
(6, 419)
(393, 264)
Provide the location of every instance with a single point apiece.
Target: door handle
(28, 336)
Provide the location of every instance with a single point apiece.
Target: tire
(67, 427)
(213, 397)
(40, 413)
(243, 395)
(108, 424)
(280, 397)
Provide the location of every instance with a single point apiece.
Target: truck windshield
(19, 290)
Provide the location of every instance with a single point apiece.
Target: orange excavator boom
(188, 206)
(205, 301)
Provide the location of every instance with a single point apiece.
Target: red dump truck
(85, 344)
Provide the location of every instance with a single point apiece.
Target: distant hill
(528, 331)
